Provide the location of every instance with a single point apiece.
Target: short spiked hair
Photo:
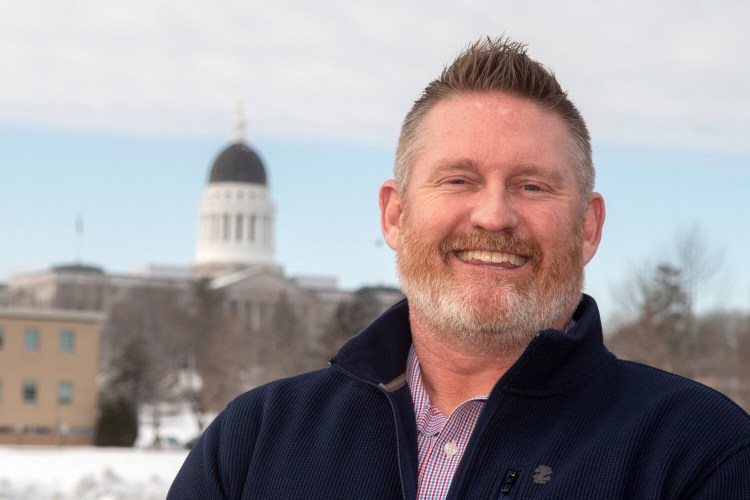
(497, 65)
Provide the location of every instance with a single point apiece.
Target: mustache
(506, 242)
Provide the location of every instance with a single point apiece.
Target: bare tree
(352, 316)
(212, 355)
(740, 379)
(662, 334)
(664, 329)
(697, 261)
(139, 338)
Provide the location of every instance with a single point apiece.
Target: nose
(493, 210)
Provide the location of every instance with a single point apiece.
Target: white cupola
(236, 214)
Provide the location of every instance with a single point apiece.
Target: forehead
(494, 130)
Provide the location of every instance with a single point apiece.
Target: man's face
(490, 235)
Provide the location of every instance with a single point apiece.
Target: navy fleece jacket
(567, 421)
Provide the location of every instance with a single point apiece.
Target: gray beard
(509, 318)
(513, 320)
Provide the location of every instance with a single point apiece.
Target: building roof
(51, 314)
(238, 163)
(77, 268)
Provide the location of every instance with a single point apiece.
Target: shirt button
(450, 448)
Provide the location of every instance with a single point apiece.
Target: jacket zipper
(395, 420)
(508, 482)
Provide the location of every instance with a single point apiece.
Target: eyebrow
(454, 164)
(549, 173)
(467, 164)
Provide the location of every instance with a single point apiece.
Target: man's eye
(456, 181)
(531, 187)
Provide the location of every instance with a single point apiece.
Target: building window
(251, 232)
(215, 221)
(266, 229)
(81, 431)
(255, 317)
(65, 393)
(238, 227)
(205, 228)
(29, 391)
(35, 430)
(67, 341)
(226, 227)
(31, 340)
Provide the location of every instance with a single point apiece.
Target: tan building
(48, 368)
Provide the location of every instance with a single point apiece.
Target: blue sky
(117, 114)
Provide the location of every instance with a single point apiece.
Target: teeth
(491, 257)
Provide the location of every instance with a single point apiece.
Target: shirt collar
(429, 419)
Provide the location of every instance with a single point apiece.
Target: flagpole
(79, 238)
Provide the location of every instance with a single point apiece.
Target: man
(491, 381)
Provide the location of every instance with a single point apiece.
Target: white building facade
(236, 214)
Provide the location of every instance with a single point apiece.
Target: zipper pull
(510, 479)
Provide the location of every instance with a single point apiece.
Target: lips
(489, 257)
(506, 250)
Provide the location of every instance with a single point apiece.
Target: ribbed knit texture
(569, 418)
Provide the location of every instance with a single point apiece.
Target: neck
(454, 371)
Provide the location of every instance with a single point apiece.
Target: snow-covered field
(31, 473)
(90, 473)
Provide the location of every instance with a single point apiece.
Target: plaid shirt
(441, 440)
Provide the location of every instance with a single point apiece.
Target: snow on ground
(41, 473)
(177, 425)
(90, 473)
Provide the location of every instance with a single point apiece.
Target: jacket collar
(378, 353)
(552, 361)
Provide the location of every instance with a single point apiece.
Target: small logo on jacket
(542, 474)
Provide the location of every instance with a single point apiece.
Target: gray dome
(238, 163)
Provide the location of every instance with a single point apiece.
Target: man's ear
(390, 213)
(593, 221)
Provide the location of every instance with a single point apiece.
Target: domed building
(279, 322)
(236, 214)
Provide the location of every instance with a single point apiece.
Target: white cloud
(669, 73)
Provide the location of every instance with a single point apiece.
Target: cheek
(556, 232)
(546, 226)
(436, 222)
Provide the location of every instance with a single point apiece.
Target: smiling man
(491, 380)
